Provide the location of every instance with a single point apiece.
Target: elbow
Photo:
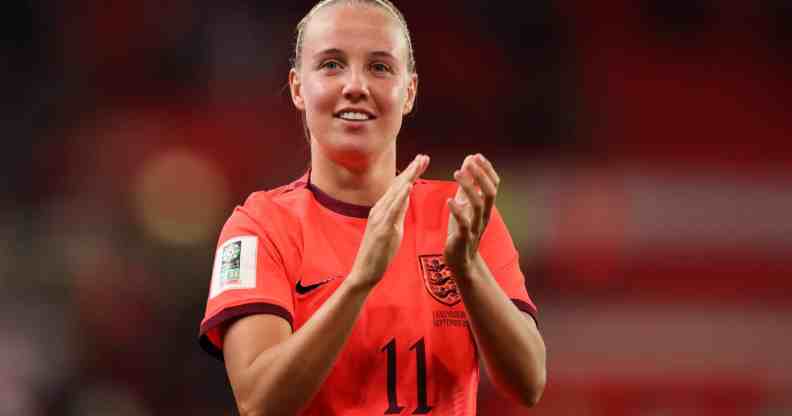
(531, 396)
(524, 385)
(525, 390)
(531, 392)
(264, 403)
(246, 408)
(249, 404)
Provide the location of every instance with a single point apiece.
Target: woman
(354, 290)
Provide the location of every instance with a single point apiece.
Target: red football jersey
(411, 351)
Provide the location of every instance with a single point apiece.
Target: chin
(354, 149)
(349, 148)
(357, 141)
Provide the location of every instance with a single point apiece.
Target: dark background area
(644, 148)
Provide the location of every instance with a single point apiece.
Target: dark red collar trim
(340, 207)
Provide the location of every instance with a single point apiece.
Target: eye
(330, 65)
(380, 67)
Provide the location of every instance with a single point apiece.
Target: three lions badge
(438, 280)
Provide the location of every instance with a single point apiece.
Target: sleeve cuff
(527, 308)
(231, 314)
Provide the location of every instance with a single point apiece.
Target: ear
(296, 92)
(412, 92)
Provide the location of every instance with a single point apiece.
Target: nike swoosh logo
(305, 289)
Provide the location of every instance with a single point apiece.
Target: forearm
(510, 344)
(285, 377)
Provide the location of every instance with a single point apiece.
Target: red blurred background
(643, 146)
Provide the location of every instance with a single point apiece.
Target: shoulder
(274, 211)
(278, 203)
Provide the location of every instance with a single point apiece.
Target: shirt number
(420, 355)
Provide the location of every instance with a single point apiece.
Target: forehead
(354, 27)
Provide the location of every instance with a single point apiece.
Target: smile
(354, 116)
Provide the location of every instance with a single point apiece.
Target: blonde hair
(384, 4)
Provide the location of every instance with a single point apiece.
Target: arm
(510, 344)
(274, 372)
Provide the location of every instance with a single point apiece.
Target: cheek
(396, 98)
(318, 95)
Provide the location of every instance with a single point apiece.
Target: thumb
(460, 198)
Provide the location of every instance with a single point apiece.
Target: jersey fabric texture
(411, 351)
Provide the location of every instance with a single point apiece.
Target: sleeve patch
(234, 265)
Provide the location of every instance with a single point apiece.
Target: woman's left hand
(470, 212)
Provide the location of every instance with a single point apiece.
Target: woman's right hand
(385, 226)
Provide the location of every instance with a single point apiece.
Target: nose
(355, 86)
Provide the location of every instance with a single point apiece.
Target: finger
(397, 210)
(460, 193)
(488, 189)
(421, 168)
(409, 176)
(416, 169)
(458, 211)
(484, 182)
(473, 195)
(401, 212)
(488, 169)
(404, 185)
(412, 173)
(387, 199)
(475, 166)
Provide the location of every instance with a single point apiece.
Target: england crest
(438, 280)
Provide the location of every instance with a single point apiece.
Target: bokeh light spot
(181, 197)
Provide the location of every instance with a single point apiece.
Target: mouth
(354, 115)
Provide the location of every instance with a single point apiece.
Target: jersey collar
(340, 207)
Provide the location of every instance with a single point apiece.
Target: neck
(355, 181)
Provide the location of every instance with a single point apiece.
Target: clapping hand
(470, 212)
(385, 226)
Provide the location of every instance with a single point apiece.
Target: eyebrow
(382, 54)
(331, 51)
(336, 51)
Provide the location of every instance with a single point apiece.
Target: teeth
(351, 115)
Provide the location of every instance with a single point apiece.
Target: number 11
(420, 354)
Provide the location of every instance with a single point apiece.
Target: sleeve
(248, 277)
(503, 260)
